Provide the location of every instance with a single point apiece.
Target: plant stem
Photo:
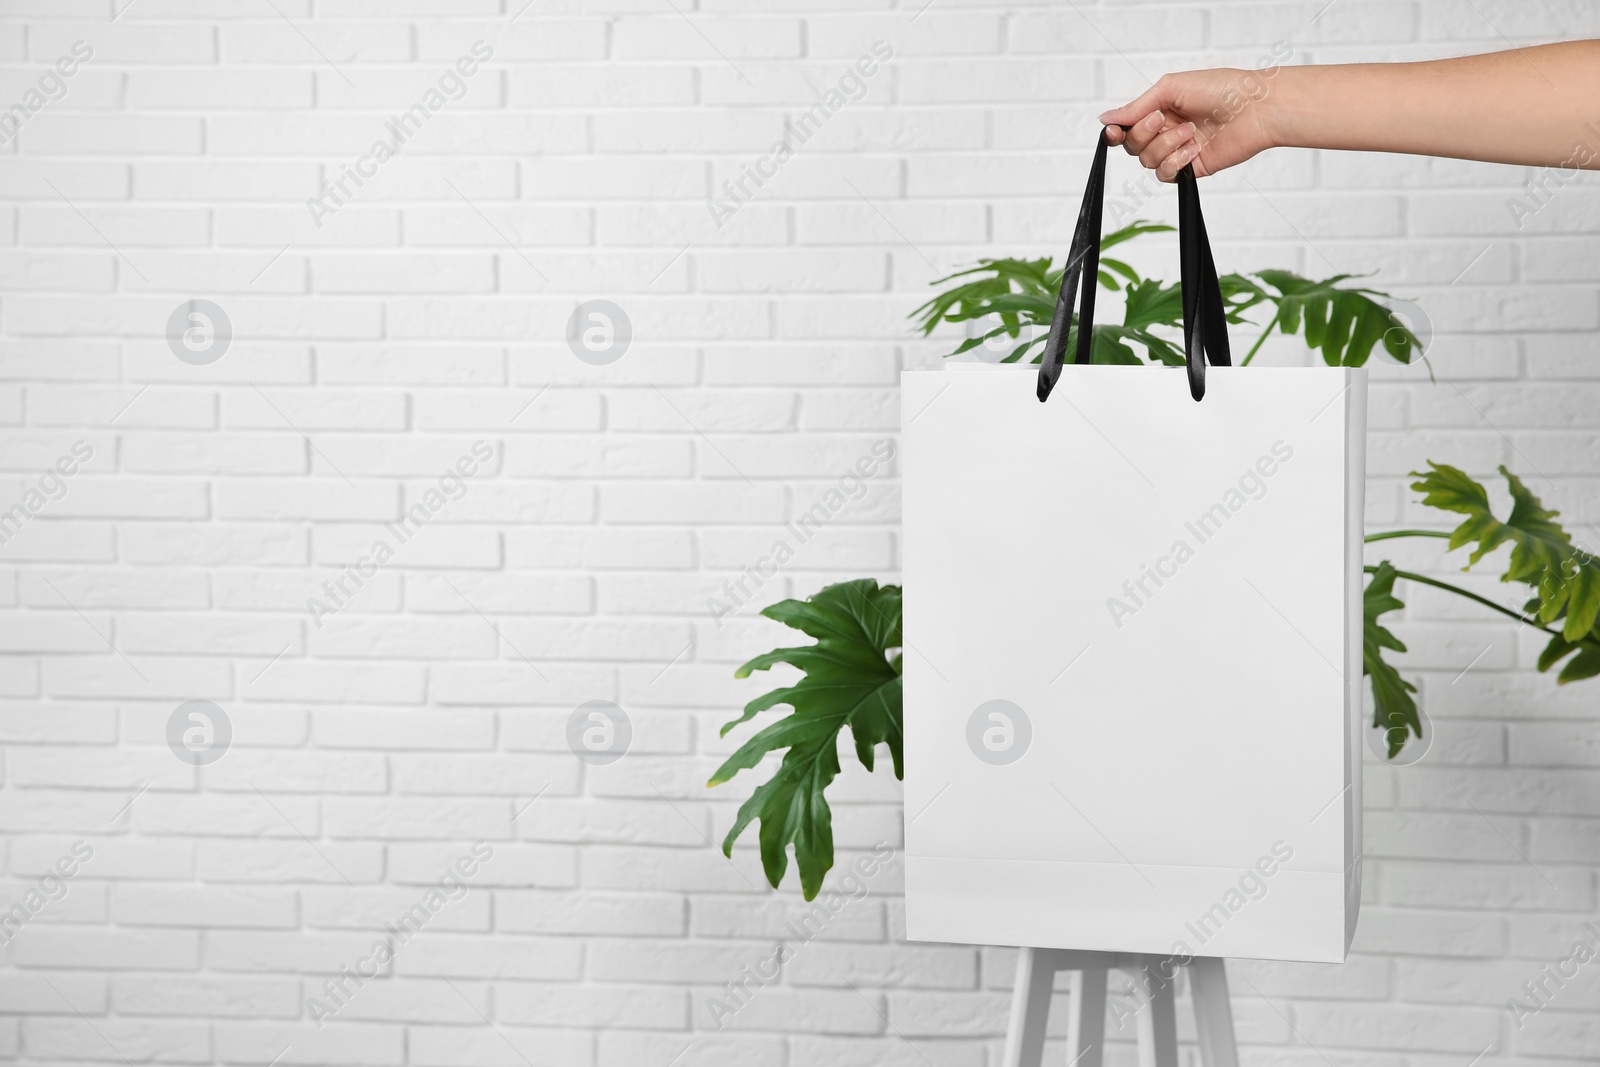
(1260, 341)
(1387, 534)
(1485, 601)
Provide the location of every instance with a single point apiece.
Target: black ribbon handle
(1205, 327)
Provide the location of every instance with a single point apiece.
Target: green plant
(1563, 586)
(852, 672)
(1345, 323)
(852, 678)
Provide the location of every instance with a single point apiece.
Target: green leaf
(1239, 293)
(1394, 710)
(1566, 579)
(1558, 649)
(1586, 664)
(992, 279)
(1345, 323)
(1136, 228)
(1120, 267)
(850, 680)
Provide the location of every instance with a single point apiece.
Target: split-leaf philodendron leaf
(1565, 579)
(1344, 322)
(851, 680)
(1394, 710)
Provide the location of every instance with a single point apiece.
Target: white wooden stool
(1158, 1027)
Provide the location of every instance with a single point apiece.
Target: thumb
(1152, 99)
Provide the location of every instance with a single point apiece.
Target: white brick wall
(428, 313)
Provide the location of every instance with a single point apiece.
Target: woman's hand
(1211, 118)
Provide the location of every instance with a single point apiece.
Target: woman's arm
(1535, 106)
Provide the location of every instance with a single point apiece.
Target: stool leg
(1030, 1008)
(1086, 1030)
(1158, 1022)
(1213, 1015)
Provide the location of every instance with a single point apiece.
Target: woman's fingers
(1139, 134)
(1164, 144)
(1167, 170)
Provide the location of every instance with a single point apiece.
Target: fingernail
(1188, 129)
(1154, 120)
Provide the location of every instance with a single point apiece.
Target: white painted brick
(243, 950)
(352, 42)
(620, 1047)
(545, 731)
(234, 906)
(589, 913)
(391, 455)
(407, 638)
(647, 502)
(617, 821)
(519, 225)
(502, 864)
(130, 408)
(1398, 1027)
(734, 917)
(613, 85)
(111, 950)
(230, 89)
(171, 1042)
(510, 1046)
(121, 135)
(241, 815)
(47, 271)
(254, 409)
(544, 38)
(291, 862)
(75, 723)
(376, 908)
(439, 544)
(1155, 29)
(339, 1041)
(410, 365)
(381, 89)
(420, 1001)
(537, 594)
(395, 819)
(515, 776)
(451, 956)
(997, 81)
(52, 632)
(47, 360)
(700, 869)
(355, 682)
(262, 498)
(149, 677)
(353, 226)
(246, 361)
(266, 590)
(422, 274)
(678, 226)
(126, 43)
(210, 182)
(29, 993)
(215, 996)
(518, 683)
(403, 728)
(41, 810)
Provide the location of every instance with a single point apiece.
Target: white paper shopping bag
(1133, 654)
